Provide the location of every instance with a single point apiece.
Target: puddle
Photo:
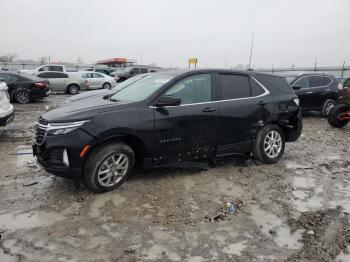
(295, 165)
(342, 257)
(304, 182)
(235, 249)
(29, 220)
(270, 222)
(101, 200)
(7, 258)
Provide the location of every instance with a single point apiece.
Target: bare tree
(8, 57)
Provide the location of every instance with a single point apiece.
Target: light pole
(251, 51)
(141, 57)
(226, 52)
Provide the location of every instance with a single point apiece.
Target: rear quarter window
(276, 82)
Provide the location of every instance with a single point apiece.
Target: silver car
(74, 82)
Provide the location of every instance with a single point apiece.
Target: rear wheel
(334, 115)
(106, 86)
(269, 144)
(73, 89)
(22, 96)
(108, 167)
(327, 106)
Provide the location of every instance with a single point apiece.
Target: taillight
(40, 84)
(340, 86)
(296, 101)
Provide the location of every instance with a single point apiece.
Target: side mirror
(296, 87)
(167, 101)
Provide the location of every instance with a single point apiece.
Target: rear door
(98, 80)
(187, 131)
(241, 107)
(320, 90)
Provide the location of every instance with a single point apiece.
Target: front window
(97, 75)
(142, 88)
(193, 89)
(302, 82)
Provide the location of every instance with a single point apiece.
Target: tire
(106, 86)
(103, 159)
(327, 106)
(333, 115)
(262, 146)
(73, 89)
(22, 96)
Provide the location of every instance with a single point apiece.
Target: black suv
(317, 92)
(128, 72)
(165, 118)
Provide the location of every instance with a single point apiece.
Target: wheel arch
(136, 144)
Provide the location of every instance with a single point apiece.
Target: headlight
(64, 128)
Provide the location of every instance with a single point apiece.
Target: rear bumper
(40, 92)
(293, 130)
(6, 116)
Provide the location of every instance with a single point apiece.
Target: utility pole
(226, 59)
(251, 51)
(49, 59)
(141, 57)
(315, 68)
(342, 69)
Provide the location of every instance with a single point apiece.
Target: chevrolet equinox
(165, 118)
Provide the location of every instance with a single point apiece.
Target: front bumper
(6, 116)
(49, 154)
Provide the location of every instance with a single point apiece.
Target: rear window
(276, 82)
(315, 81)
(234, 86)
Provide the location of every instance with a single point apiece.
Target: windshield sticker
(163, 81)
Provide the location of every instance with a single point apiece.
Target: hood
(82, 109)
(85, 95)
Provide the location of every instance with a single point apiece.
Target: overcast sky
(168, 32)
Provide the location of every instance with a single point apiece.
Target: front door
(304, 92)
(187, 132)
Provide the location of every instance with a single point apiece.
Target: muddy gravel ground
(296, 210)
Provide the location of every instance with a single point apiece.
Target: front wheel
(108, 167)
(269, 144)
(327, 106)
(334, 116)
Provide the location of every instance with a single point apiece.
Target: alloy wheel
(272, 144)
(113, 169)
(22, 97)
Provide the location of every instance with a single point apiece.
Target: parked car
(346, 82)
(94, 80)
(24, 88)
(104, 92)
(317, 92)
(128, 72)
(6, 109)
(166, 118)
(44, 68)
(106, 70)
(62, 82)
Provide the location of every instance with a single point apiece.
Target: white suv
(6, 109)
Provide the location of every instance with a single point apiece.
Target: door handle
(262, 103)
(308, 92)
(208, 110)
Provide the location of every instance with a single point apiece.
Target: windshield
(143, 88)
(290, 79)
(128, 82)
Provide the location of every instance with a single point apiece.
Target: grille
(56, 157)
(40, 132)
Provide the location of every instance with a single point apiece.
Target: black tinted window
(302, 82)
(234, 86)
(9, 78)
(134, 71)
(45, 75)
(56, 68)
(327, 80)
(257, 90)
(144, 70)
(193, 89)
(315, 81)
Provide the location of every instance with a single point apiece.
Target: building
(116, 62)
